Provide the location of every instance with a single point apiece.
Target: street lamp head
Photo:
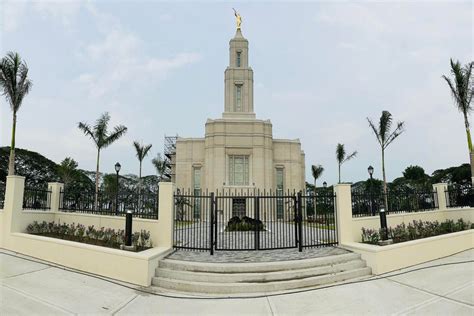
(370, 170)
(117, 167)
(325, 184)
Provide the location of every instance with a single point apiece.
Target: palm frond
(118, 132)
(317, 171)
(353, 155)
(397, 132)
(340, 153)
(375, 130)
(100, 128)
(87, 130)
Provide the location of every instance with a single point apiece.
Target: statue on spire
(238, 18)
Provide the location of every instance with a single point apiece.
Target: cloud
(15, 12)
(119, 60)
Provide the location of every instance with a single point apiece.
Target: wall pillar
(55, 188)
(343, 212)
(13, 206)
(440, 189)
(166, 214)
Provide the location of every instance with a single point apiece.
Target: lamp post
(370, 169)
(117, 170)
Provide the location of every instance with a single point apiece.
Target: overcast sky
(320, 70)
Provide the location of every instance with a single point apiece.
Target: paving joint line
(31, 296)
(127, 302)
(24, 273)
(433, 293)
(270, 306)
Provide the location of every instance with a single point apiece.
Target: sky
(320, 69)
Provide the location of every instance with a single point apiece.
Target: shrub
(244, 224)
(416, 230)
(370, 236)
(108, 237)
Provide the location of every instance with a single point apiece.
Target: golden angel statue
(238, 19)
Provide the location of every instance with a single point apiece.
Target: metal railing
(143, 205)
(369, 203)
(36, 199)
(459, 196)
(253, 220)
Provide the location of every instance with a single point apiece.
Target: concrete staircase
(262, 277)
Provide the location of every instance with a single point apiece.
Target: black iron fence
(459, 196)
(369, 203)
(143, 205)
(36, 199)
(253, 220)
(2, 195)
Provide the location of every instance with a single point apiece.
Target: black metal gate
(209, 222)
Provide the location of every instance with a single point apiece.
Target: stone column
(440, 189)
(166, 214)
(343, 212)
(55, 188)
(13, 207)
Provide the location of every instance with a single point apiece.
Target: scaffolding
(170, 157)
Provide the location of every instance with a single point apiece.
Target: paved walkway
(256, 256)
(34, 288)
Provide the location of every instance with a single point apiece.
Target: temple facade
(238, 151)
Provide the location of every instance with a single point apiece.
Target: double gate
(208, 221)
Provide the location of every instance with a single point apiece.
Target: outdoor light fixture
(325, 184)
(117, 170)
(383, 224)
(371, 171)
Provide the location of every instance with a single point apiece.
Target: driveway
(440, 287)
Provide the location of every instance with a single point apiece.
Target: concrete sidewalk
(35, 288)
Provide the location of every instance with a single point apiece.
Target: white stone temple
(238, 150)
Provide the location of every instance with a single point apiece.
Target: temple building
(238, 150)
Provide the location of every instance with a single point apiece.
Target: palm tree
(385, 137)
(67, 171)
(142, 152)
(342, 158)
(462, 91)
(317, 171)
(15, 86)
(160, 165)
(102, 139)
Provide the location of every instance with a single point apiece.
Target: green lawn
(319, 225)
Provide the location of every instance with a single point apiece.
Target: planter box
(384, 259)
(137, 268)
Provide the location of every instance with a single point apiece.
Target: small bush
(416, 230)
(370, 236)
(106, 237)
(244, 224)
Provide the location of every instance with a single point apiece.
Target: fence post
(55, 203)
(343, 212)
(211, 230)
(300, 220)
(442, 201)
(166, 219)
(257, 218)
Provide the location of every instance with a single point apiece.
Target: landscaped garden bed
(415, 230)
(244, 224)
(105, 237)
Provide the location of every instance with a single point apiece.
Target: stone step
(255, 267)
(261, 277)
(256, 287)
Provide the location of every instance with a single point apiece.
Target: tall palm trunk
(315, 197)
(339, 168)
(468, 132)
(139, 185)
(11, 162)
(384, 181)
(96, 202)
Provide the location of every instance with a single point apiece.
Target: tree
(385, 137)
(414, 173)
(462, 90)
(141, 152)
(160, 165)
(67, 170)
(316, 171)
(342, 158)
(102, 139)
(15, 86)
